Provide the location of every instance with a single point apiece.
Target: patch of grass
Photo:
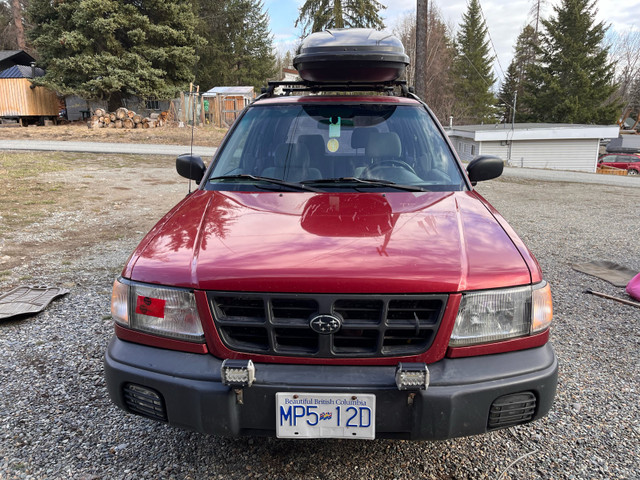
(23, 165)
(5, 273)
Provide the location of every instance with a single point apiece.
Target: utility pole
(422, 20)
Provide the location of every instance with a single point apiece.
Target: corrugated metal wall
(17, 99)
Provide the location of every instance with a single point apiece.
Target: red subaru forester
(335, 274)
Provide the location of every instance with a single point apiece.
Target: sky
(504, 20)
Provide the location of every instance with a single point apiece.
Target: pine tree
(109, 49)
(240, 45)
(472, 69)
(574, 80)
(516, 76)
(319, 15)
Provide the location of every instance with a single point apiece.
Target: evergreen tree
(516, 77)
(240, 46)
(7, 40)
(319, 15)
(472, 69)
(110, 49)
(574, 80)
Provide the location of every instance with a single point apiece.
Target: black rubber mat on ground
(28, 300)
(613, 273)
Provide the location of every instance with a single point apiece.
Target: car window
(307, 143)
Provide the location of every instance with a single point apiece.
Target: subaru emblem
(325, 324)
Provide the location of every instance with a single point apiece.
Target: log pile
(124, 118)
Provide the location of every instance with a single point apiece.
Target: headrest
(294, 155)
(360, 136)
(314, 143)
(384, 145)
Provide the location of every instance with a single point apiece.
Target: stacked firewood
(124, 118)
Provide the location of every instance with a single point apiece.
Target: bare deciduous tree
(625, 52)
(437, 56)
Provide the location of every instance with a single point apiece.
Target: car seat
(292, 164)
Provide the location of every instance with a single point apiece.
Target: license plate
(325, 415)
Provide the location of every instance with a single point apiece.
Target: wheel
(632, 172)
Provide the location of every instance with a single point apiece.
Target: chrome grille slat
(373, 326)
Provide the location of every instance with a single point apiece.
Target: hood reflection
(357, 215)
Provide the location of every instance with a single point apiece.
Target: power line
(490, 39)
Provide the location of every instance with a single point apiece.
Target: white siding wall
(570, 154)
(495, 149)
(466, 148)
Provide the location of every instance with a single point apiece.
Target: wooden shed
(226, 103)
(20, 99)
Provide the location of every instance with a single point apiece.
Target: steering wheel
(391, 163)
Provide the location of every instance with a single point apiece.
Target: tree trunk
(121, 113)
(128, 123)
(115, 101)
(422, 19)
(16, 11)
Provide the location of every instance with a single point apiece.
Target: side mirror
(483, 168)
(191, 167)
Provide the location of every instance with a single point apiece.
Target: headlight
(496, 315)
(170, 312)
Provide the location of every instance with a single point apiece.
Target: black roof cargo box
(358, 55)
(624, 144)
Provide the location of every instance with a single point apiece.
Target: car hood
(400, 242)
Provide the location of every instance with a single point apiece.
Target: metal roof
(532, 131)
(17, 56)
(239, 91)
(20, 71)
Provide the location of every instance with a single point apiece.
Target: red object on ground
(633, 287)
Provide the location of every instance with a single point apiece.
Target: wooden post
(183, 110)
(201, 110)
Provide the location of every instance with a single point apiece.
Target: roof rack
(312, 87)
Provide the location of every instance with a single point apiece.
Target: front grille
(372, 326)
(511, 410)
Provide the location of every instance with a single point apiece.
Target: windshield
(328, 147)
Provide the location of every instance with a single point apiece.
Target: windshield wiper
(364, 181)
(274, 181)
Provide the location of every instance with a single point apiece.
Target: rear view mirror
(191, 167)
(483, 168)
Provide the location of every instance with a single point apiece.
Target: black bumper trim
(457, 402)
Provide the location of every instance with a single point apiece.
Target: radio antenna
(192, 105)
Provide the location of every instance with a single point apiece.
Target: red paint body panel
(399, 242)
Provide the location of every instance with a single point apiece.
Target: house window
(152, 105)
(473, 149)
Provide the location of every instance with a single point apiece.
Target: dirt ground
(54, 204)
(205, 136)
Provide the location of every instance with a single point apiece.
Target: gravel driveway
(57, 422)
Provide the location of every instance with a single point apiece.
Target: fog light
(412, 376)
(238, 373)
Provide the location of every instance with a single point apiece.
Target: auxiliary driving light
(238, 373)
(412, 376)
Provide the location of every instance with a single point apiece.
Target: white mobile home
(534, 145)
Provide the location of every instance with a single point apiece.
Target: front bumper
(456, 403)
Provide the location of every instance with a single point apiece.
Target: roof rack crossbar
(303, 86)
